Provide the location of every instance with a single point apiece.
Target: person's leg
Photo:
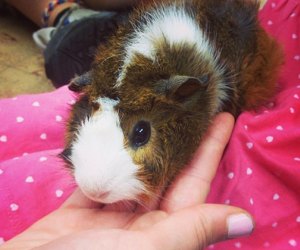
(68, 46)
(110, 4)
(121, 4)
(35, 9)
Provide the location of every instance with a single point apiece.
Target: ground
(21, 61)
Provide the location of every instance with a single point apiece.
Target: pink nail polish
(239, 225)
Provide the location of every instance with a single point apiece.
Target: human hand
(182, 221)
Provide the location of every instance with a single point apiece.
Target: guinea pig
(155, 87)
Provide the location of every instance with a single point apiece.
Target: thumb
(199, 226)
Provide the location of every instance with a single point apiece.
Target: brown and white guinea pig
(155, 87)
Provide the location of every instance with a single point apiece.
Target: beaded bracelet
(51, 6)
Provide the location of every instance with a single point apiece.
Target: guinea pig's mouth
(106, 198)
(102, 196)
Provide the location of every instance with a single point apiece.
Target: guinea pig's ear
(79, 82)
(180, 88)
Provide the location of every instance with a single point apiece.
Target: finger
(193, 184)
(147, 220)
(199, 226)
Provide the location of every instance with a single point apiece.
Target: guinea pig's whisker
(116, 55)
(143, 205)
(128, 205)
(156, 196)
(65, 157)
(232, 77)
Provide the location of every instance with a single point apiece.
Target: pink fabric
(33, 181)
(260, 170)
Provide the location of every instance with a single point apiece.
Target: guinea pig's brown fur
(180, 91)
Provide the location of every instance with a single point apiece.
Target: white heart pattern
(249, 171)
(29, 179)
(59, 193)
(227, 202)
(230, 175)
(293, 243)
(43, 158)
(271, 104)
(58, 118)
(14, 207)
(292, 110)
(3, 138)
(251, 201)
(249, 145)
(43, 136)
(36, 104)
(20, 119)
(71, 102)
(238, 244)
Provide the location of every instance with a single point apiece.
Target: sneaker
(70, 48)
(43, 36)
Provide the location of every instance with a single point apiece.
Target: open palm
(180, 220)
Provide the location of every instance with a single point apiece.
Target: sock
(58, 17)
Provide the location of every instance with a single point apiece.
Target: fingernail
(239, 225)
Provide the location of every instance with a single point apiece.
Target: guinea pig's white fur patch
(103, 168)
(172, 23)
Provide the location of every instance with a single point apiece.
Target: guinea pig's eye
(140, 134)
